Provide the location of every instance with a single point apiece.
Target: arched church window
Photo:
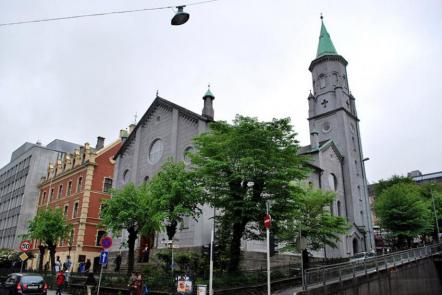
(335, 79)
(126, 176)
(339, 207)
(332, 182)
(156, 151)
(188, 151)
(322, 81)
(344, 81)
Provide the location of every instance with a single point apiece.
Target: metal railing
(318, 276)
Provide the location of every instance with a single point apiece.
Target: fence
(353, 269)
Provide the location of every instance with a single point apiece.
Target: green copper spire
(325, 46)
(209, 93)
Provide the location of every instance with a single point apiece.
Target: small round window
(156, 151)
(326, 127)
(188, 151)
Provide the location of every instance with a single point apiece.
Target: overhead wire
(102, 14)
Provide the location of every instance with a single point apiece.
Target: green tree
(131, 208)
(384, 184)
(401, 210)
(432, 194)
(50, 227)
(312, 217)
(175, 195)
(242, 166)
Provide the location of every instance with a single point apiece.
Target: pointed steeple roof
(209, 93)
(325, 46)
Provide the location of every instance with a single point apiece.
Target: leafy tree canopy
(312, 216)
(131, 208)
(49, 226)
(401, 210)
(395, 179)
(175, 195)
(242, 166)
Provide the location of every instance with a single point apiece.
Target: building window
(80, 182)
(100, 235)
(322, 81)
(126, 176)
(68, 192)
(146, 178)
(335, 79)
(102, 205)
(107, 184)
(75, 211)
(65, 212)
(332, 182)
(44, 198)
(60, 191)
(52, 194)
(156, 151)
(339, 208)
(188, 151)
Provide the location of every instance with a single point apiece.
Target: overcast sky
(77, 79)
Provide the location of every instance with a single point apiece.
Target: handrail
(347, 270)
(382, 257)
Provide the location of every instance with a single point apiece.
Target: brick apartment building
(77, 184)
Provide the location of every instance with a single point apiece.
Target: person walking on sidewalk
(60, 282)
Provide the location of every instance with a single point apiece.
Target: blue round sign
(106, 242)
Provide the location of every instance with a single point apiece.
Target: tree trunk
(235, 247)
(171, 229)
(42, 254)
(131, 245)
(52, 249)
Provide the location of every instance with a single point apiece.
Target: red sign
(25, 246)
(267, 220)
(106, 242)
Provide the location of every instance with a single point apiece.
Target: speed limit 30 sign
(25, 246)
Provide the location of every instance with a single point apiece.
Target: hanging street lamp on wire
(180, 16)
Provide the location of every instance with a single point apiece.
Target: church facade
(166, 131)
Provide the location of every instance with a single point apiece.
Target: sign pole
(211, 264)
(21, 268)
(99, 280)
(268, 250)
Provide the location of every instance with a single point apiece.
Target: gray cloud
(78, 79)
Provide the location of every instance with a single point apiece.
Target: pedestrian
(57, 266)
(60, 282)
(139, 285)
(68, 263)
(90, 283)
(118, 263)
(87, 266)
(146, 254)
(131, 284)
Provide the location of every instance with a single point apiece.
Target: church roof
(325, 46)
(322, 146)
(158, 101)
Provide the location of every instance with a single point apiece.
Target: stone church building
(166, 131)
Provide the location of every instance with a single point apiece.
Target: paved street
(52, 292)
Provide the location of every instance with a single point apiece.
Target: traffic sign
(103, 257)
(23, 256)
(25, 246)
(267, 220)
(106, 242)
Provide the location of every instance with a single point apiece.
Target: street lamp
(180, 17)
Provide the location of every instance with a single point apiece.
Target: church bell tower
(332, 115)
